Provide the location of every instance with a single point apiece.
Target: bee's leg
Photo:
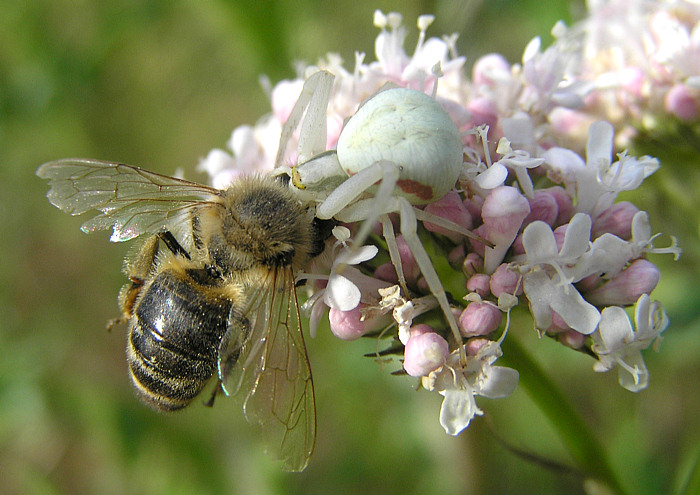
(171, 243)
(219, 389)
(136, 267)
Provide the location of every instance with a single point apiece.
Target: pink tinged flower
(408, 262)
(491, 70)
(450, 207)
(544, 74)
(616, 343)
(484, 111)
(503, 213)
(220, 166)
(343, 292)
(425, 351)
(479, 318)
(284, 96)
(505, 281)
(616, 220)
(682, 102)
(479, 283)
(641, 277)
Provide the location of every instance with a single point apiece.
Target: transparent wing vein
(132, 201)
(272, 374)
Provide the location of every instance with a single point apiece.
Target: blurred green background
(160, 83)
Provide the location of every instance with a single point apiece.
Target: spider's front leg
(314, 98)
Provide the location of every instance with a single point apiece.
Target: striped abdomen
(174, 336)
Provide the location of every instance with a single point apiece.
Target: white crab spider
(401, 139)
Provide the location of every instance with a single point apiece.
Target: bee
(211, 289)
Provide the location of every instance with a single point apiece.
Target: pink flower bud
(408, 262)
(503, 213)
(473, 205)
(472, 264)
(348, 325)
(565, 205)
(477, 246)
(638, 278)
(450, 207)
(473, 346)
(616, 220)
(517, 247)
(456, 257)
(425, 351)
(682, 102)
(505, 281)
(386, 272)
(479, 283)
(558, 324)
(479, 318)
(590, 283)
(543, 207)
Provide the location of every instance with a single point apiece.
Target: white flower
(459, 386)
(549, 274)
(346, 284)
(597, 182)
(617, 343)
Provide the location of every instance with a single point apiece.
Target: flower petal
(458, 408)
(500, 382)
(341, 293)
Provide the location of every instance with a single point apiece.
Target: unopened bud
(479, 318)
(450, 207)
(616, 220)
(425, 351)
(682, 102)
(639, 278)
(505, 281)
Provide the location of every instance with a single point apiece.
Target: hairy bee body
(183, 304)
(211, 289)
(174, 336)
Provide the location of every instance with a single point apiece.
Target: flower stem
(575, 434)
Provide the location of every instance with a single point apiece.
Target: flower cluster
(642, 60)
(547, 231)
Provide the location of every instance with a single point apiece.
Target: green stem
(583, 446)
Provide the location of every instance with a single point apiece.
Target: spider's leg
(314, 99)
(409, 230)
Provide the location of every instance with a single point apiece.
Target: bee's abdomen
(174, 336)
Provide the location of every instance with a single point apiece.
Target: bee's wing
(133, 201)
(270, 369)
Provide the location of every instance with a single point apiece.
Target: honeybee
(211, 290)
